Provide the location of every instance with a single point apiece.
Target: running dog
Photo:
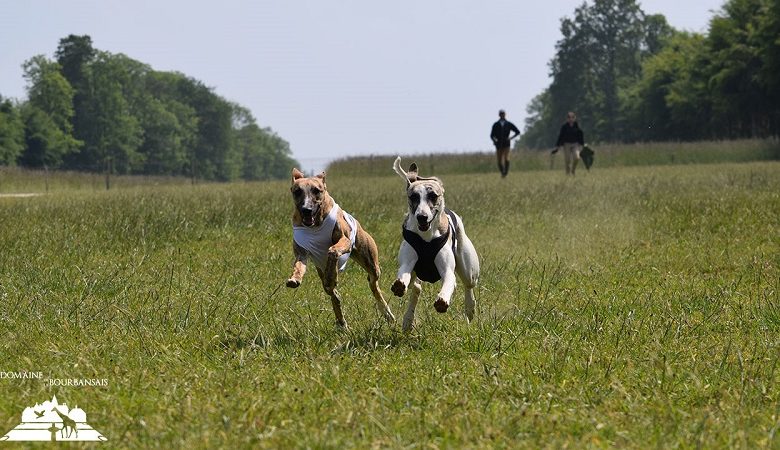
(329, 236)
(434, 246)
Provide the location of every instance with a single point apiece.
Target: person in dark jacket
(570, 140)
(501, 139)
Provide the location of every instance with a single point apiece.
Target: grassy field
(19, 180)
(606, 155)
(630, 307)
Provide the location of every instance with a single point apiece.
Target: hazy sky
(333, 78)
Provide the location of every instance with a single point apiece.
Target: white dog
(435, 246)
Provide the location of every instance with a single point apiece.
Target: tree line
(93, 110)
(631, 77)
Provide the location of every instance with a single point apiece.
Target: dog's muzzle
(307, 216)
(423, 223)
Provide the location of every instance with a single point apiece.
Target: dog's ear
(412, 174)
(296, 174)
(321, 176)
(408, 177)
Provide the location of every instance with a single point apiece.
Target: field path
(21, 195)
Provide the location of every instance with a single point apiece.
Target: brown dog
(328, 235)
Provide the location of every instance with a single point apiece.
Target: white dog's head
(425, 195)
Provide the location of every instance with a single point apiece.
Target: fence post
(109, 166)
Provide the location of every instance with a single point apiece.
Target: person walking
(501, 139)
(571, 140)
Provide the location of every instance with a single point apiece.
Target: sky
(333, 78)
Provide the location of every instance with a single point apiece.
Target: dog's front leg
(407, 258)
(299, 266)
(445, 263)
(343, 245)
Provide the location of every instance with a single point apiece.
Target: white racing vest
(317, 241)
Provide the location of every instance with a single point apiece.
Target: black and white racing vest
(425, 268)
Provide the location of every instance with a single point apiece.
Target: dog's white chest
(317, 241)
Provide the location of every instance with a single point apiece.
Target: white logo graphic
(51, 421)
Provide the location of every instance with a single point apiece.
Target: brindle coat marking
(312, 205)
(426, 218)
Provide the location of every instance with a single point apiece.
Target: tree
(767, 32)
(74, 54)
(597, 61)
(540, 126)
(671, 100)
(214, 155)
(740, 100)
(125, 117)
(47, 114)
(111, 134)
(11, 133)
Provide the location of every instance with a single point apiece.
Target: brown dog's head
(310, 196)
(425, 195)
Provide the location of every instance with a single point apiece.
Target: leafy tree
(74, 54)
(11, 133)
(597, 62)
(170, 125)
(670, 100)
(540, 125)
(617, 29)
(111, 134)
(124, 115)
(47, 114)
(214, 154)
(740, 103)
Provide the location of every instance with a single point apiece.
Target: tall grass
(633, 308)
(607, 155)
(21, 180)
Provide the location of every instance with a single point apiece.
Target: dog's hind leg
(467, 267)
(335, 298)
(381, 304)
(413, 296)
(370, 264)
(469, 275)
(470, 304)
(367, 256)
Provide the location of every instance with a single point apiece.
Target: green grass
(629, 307)
(21, 180)
(606, 155)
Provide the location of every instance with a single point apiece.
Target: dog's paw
(293, 283)
(398, 288)
(440, 305)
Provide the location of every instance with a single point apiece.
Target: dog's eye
(297, 192)
(315, 191)
(432, 196)
(414, 198)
